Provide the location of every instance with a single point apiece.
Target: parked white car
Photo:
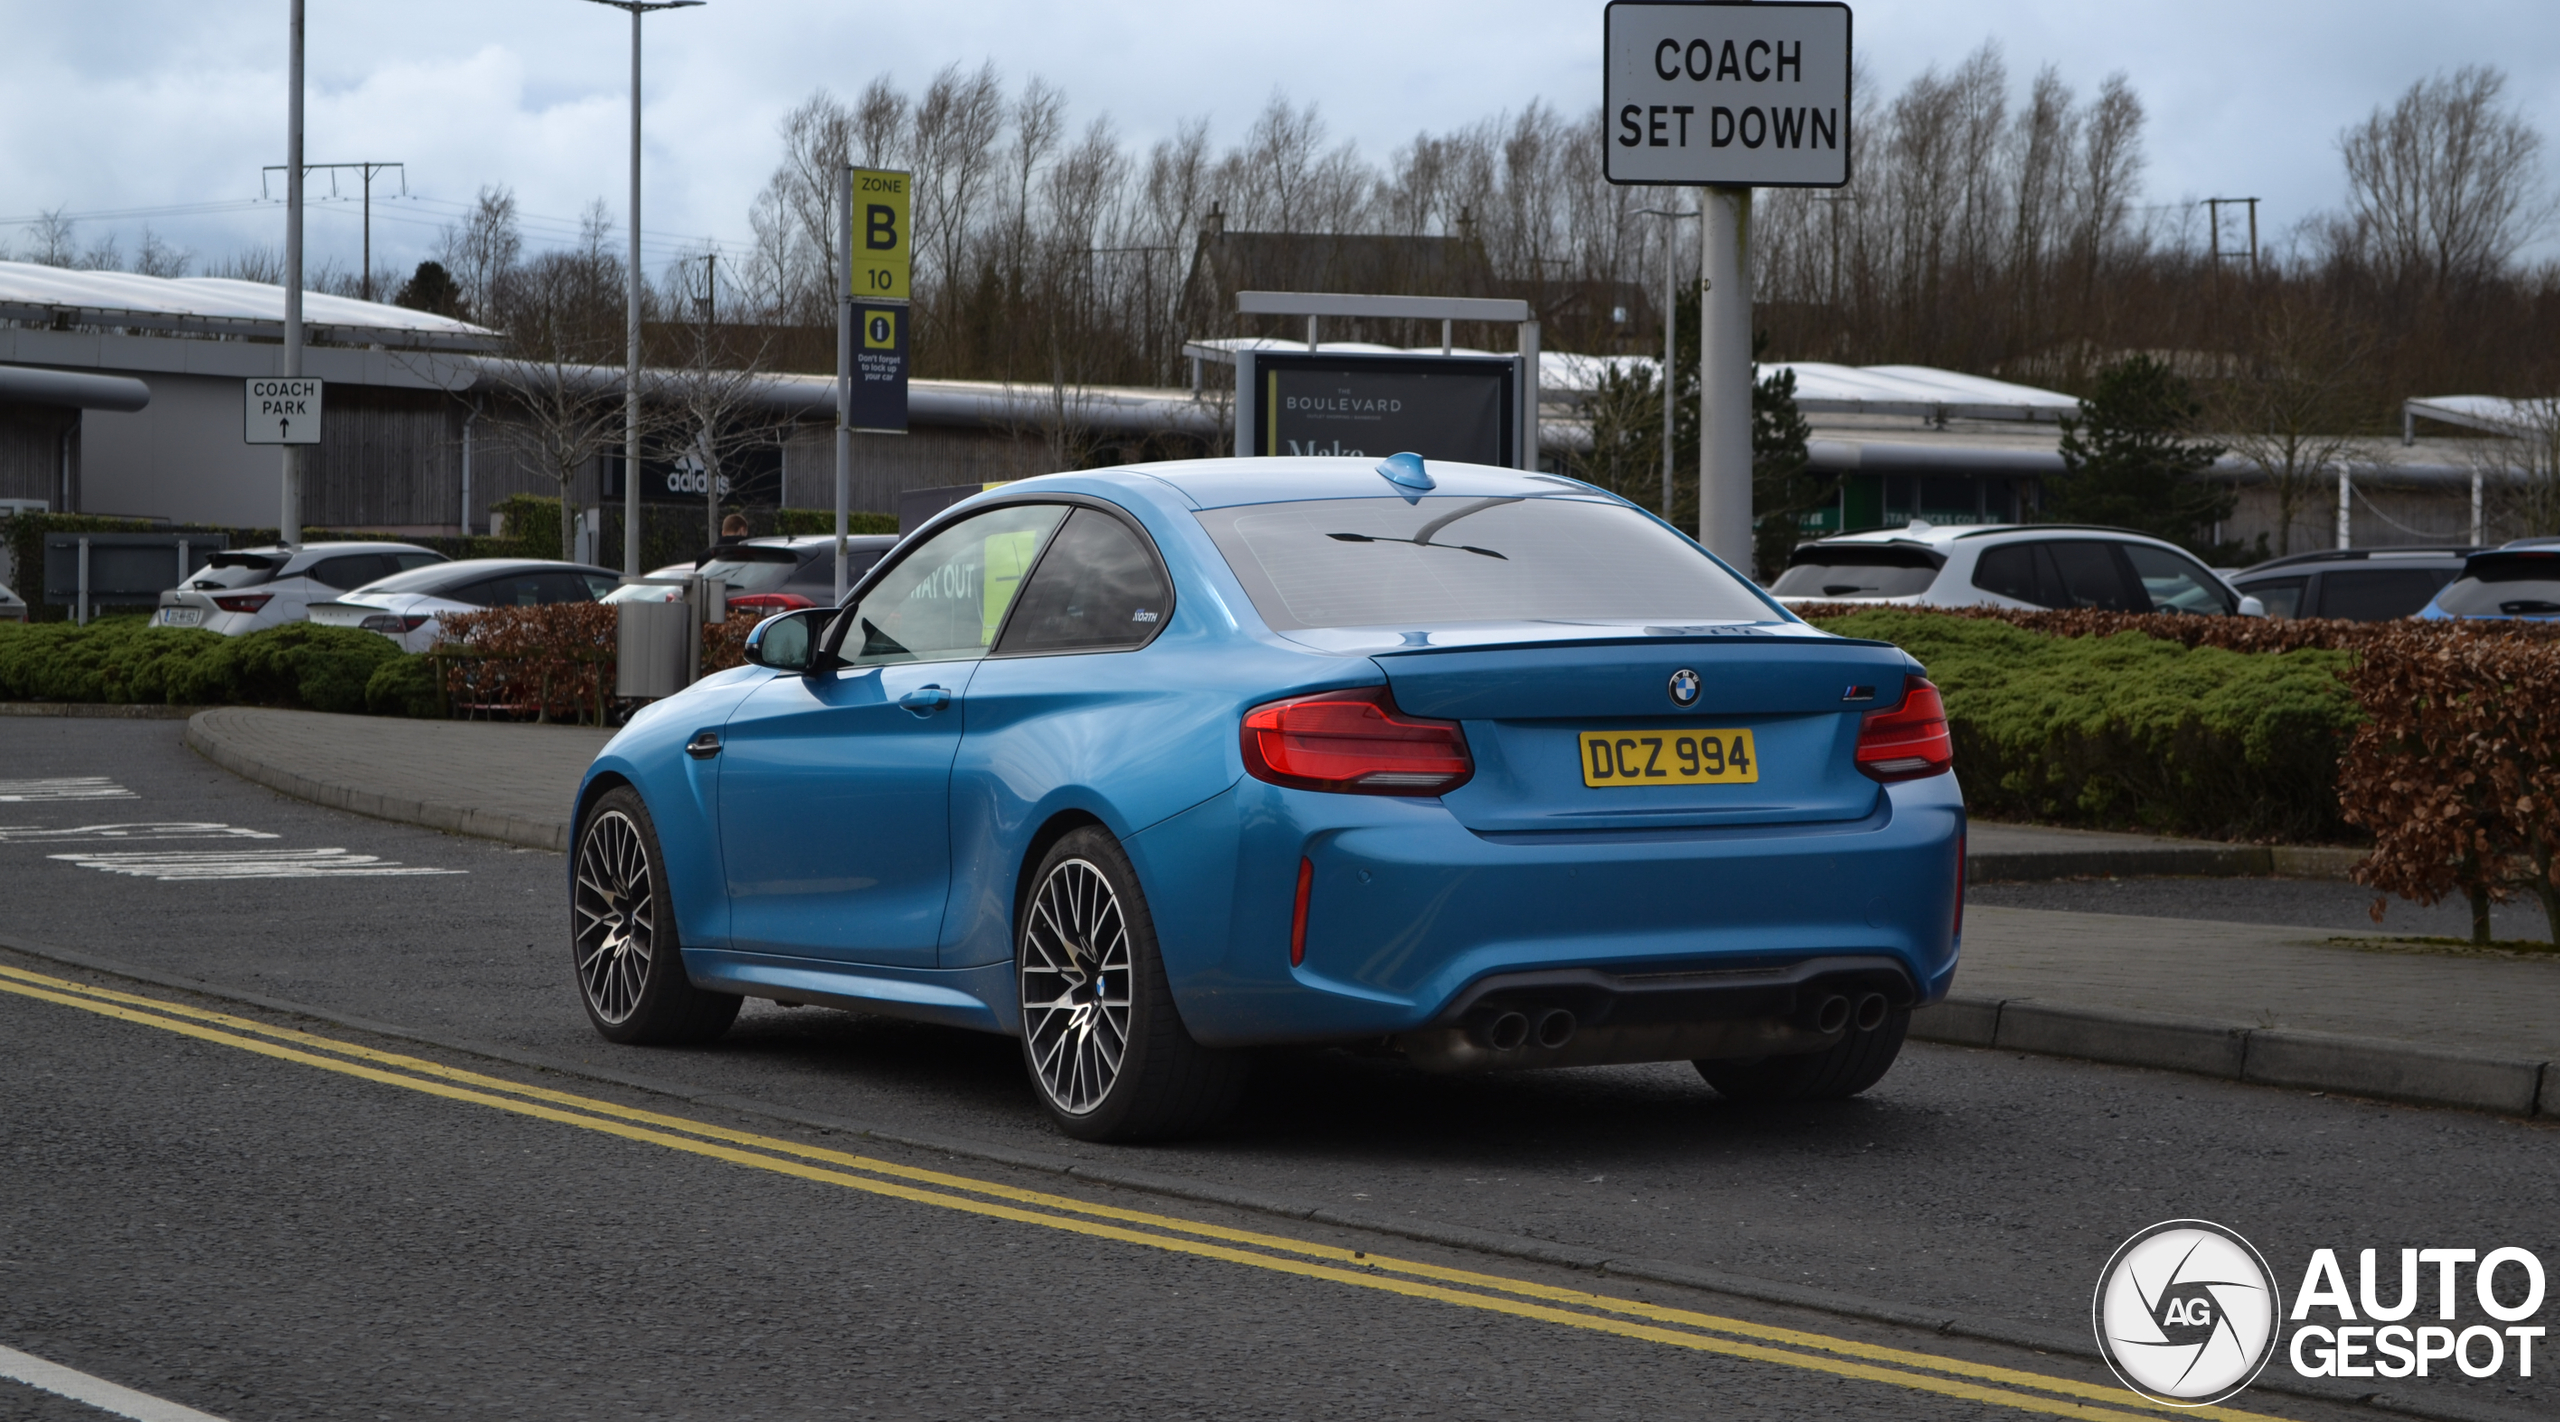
(777, 574)
(2025, 566)
(405, 608)
(251, 589)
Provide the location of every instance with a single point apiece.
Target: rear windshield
(2505, 585)
(1439, 560)
(235, 570)
(756, 575)
(1852, 570)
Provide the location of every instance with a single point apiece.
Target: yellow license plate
(1613, 759)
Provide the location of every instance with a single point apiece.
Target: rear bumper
(1414, 920)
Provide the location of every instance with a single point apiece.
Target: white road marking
(97, 1392)
(155, 829)
(178, 865)
(73, 787)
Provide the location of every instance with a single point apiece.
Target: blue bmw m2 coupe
(1154, 765)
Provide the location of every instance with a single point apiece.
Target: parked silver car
(405, 608)
(251, 589)
(2025, 566)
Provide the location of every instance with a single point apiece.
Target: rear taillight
(393, 622)
(767, 604)
(244, 602)
(1910, 741)
(1355, 742)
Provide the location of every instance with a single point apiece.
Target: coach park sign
(1727, 95)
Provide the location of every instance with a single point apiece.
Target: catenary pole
(289, 514)
(1724, 376)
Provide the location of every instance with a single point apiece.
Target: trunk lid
(1529, 707)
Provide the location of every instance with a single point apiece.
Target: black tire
(1851, 1065)
(1105, 1047)
(622, 934)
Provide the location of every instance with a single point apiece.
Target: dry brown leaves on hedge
(2457, 770)
(549, 661)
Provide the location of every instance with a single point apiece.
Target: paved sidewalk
(2291, 1006)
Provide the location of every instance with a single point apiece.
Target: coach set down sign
(1730, 95)
(282, 410)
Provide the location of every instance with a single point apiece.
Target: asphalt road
(267, 1239)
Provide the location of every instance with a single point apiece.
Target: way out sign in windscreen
(282, 411)
(1737, 95)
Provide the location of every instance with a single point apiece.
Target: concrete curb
(2294, 861)
(206, 741)
(99, 710)
(2068, 1342)
(2264, 1056)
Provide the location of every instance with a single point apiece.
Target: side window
(2091, 577)
(513, 591)
(403, 562)
(1096, 589)
(2172, 583)
(2376, 594)
(2282, 596)
(946, 601)
(561, 587)
(350, 570)
(2010, 571)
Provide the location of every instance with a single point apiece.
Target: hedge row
(127, 660)
(2124, 730)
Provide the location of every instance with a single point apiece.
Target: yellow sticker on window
(1009, 556)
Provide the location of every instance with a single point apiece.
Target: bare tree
(2523, 464)
(482, 248)
(953, 138)
(160, 259)
(52, 240)
(2291, 406)
(563, 315)
(708, 412)
(2447, 183)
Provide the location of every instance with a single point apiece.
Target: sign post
(277, 411)
(873, 210)
(1726, 97)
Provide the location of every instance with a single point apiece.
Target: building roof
(60, 298)
(2494, 414)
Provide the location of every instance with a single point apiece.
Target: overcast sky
(118, 105)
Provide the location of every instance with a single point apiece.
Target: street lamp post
(1672, 218)
(631, 359)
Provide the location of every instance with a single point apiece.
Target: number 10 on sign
(878, 260)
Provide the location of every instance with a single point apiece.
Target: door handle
(704, 745)
(925, 700)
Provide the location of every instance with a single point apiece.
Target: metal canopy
(219, 306)
(1382, 308)
(75, 389)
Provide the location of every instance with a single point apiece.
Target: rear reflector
(245, 602)
(1354, 742)
(1298, 919)
(1910, 741)
(1960, 872)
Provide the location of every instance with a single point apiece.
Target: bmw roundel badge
(1684, 687)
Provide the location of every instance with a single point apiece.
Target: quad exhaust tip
(1555, 1028)
(1508, 1032)
(1871, 1011)
(1831, 1014)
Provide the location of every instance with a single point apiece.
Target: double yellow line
(1491, 1293)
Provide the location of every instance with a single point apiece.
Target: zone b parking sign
(880, 259)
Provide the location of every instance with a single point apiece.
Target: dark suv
(2357, 584)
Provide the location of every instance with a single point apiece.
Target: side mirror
(785, 641)
(2251, 607)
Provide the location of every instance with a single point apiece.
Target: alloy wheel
(1076, 986)
(616, 916)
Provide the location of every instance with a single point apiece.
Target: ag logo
(1684, 687)
(2186, 1313)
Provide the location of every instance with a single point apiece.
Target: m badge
(1684, 687)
